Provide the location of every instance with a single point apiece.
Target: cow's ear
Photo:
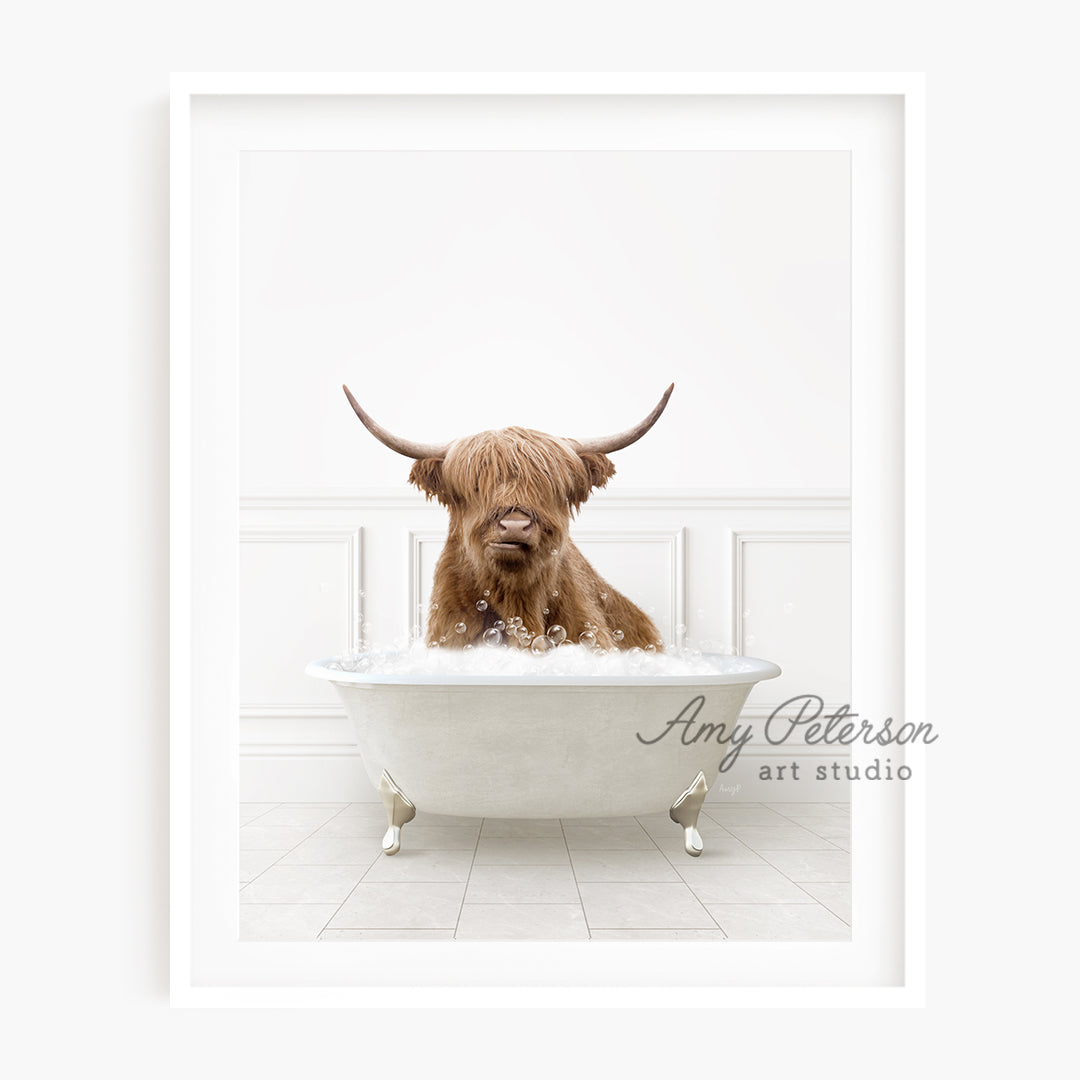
(427, 475)
(599, 469)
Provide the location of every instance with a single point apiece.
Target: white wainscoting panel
(697, 559)
(792, 605)
(300, 598)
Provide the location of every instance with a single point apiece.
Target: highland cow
(509, 565)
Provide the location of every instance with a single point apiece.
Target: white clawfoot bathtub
(545, 746)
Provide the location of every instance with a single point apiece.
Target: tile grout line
(577, 884)
(468, 878)
(332, 817)
(671, 861)
(273, 807)
(283, 855)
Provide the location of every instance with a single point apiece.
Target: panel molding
(353, 542)
(301, 749)
(740, 538)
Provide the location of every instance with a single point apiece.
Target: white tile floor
(770, 872)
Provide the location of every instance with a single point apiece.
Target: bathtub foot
(684, 811)
(399, 811)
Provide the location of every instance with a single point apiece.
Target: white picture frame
(883, 964)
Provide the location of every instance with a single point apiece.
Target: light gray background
(85, 441)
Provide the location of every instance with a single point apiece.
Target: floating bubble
(618, 635)
(460, 628)
(603, 596)
(746, 614)
(541, 644)
(556, 634)
(468, 647)
(547, 611)
(500, 625)
(487, 592)
(492, 638)
(650, 648)
(435, 607)
(442, 639)
(481, 605)
(587, 638)
(789, 608)
(555, 595)
(636, 650)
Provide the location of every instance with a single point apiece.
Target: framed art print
(509, 272)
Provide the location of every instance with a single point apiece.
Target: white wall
(457, 288)
(457, 291)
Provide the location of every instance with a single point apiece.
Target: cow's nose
(515, 527)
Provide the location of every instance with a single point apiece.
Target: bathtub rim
(763, 670)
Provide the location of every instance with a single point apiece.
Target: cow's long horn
(619, 442)
(402, 446)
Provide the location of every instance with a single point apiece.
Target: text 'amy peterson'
(808, 723)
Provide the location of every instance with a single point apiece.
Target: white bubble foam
(421, 660)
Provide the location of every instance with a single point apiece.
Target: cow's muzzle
(514, 529)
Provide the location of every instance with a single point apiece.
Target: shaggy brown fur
(519, 476)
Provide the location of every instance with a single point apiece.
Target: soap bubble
(556, 634)
(500, 625)
(603, 596)
(435, 606)
(547, 611)
(487, 592)
(681, 628)
(442, 639)
(481, 605)
(618, 635)
(650, 648)
(468, 647)
(540, 658)
(587, 638)
(460, 628)
(555, 595)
